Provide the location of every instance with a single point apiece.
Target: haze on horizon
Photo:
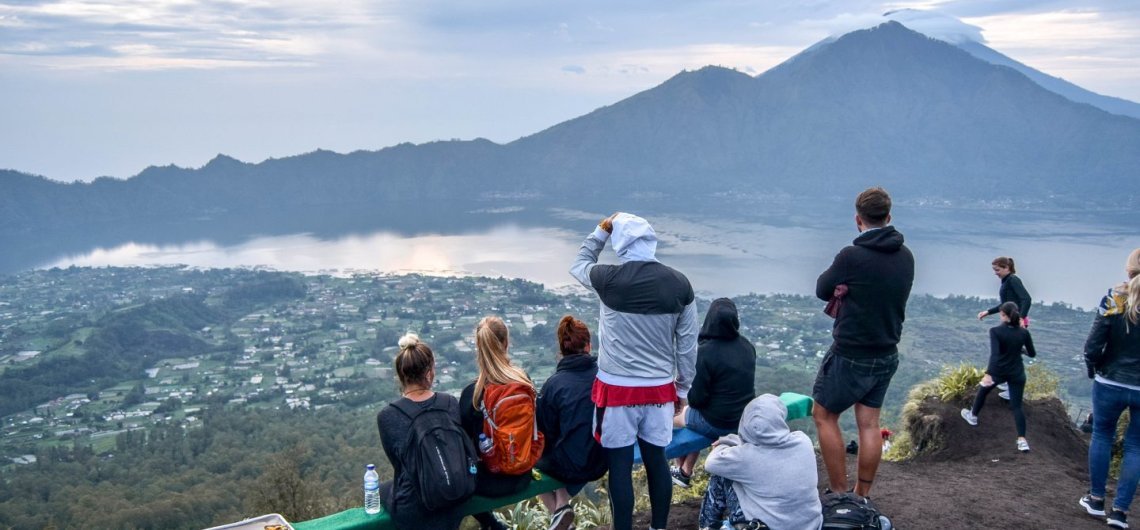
(99, 87)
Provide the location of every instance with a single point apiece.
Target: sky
(93, 88)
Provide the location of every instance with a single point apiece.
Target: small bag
(836, 301)
(847, 511)
(510, 422)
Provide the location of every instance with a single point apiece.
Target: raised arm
(588, 256)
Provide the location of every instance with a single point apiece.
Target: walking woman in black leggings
(1007, 341)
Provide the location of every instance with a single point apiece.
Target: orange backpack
(509, 421)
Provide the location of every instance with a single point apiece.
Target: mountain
(885, 105)
(1110, 104)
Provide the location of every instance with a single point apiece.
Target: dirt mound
(974, 477)
(1047, 425)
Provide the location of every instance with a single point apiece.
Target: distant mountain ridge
(886, 105)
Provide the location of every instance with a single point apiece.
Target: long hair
(495, 368)
(1010, 310)
(1005, 263)
(414, 361)
(573, 336)
(1132, 267)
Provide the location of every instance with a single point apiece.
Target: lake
(772, 248)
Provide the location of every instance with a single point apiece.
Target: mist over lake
(762, 248)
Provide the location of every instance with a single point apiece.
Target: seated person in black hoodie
(415, 368)
(565, 416)
(724, 384)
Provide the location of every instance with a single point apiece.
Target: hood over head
(885, 239)
(721, 322)
(764, 422)
(633, 238)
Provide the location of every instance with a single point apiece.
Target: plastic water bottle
(371, 491)
(487, 449)
(725, 525)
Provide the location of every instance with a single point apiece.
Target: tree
(282, 487)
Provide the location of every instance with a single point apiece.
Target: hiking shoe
(562, 519)
(1093, 505)
(1023, 446)
(970, 417)
(1117, 518)
(1004, 394)
(679, 478)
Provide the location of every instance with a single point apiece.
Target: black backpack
(441, 459)
(847, 511)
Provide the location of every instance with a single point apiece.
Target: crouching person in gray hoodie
(766, 475)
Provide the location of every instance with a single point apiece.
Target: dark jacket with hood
(726, 368)
(565, 417)
(878, 271)
(1112, 349)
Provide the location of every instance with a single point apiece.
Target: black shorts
(842, 382)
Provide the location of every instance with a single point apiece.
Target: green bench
(684, 442)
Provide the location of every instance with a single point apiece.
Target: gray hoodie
(773, 470)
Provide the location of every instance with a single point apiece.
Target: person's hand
(982, 314)
(681, 403)
(988, 381)
(607, 224)
(715, 443)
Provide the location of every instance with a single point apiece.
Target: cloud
(937, 25)
(149, 34)
(574, 69)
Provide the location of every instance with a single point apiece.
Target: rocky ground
(977, 479)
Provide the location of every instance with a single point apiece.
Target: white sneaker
(1004, 394)
(1023, 446)
(969, 417)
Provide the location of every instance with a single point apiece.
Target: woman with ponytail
(415, 369)
(1112, 355)
(565, 415)
(492, 341)
(1007, 341)
(1012, 290)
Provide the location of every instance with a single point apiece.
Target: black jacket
(726, 368)
(1006, 343)
(1113, 346)
(565, 416)
(1012, 290)
(878, 271)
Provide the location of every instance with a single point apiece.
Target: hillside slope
(978, 479)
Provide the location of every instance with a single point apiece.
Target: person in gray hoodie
(647, 356)
(764, 475)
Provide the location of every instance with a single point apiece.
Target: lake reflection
(721, 258)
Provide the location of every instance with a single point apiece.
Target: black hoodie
(726, 368)
(878, 271)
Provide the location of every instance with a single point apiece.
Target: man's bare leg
(831, 446)
(870, 447)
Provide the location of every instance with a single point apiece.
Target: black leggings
(1016, 390)
(621, 484)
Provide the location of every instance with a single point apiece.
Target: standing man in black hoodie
(878, 271)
